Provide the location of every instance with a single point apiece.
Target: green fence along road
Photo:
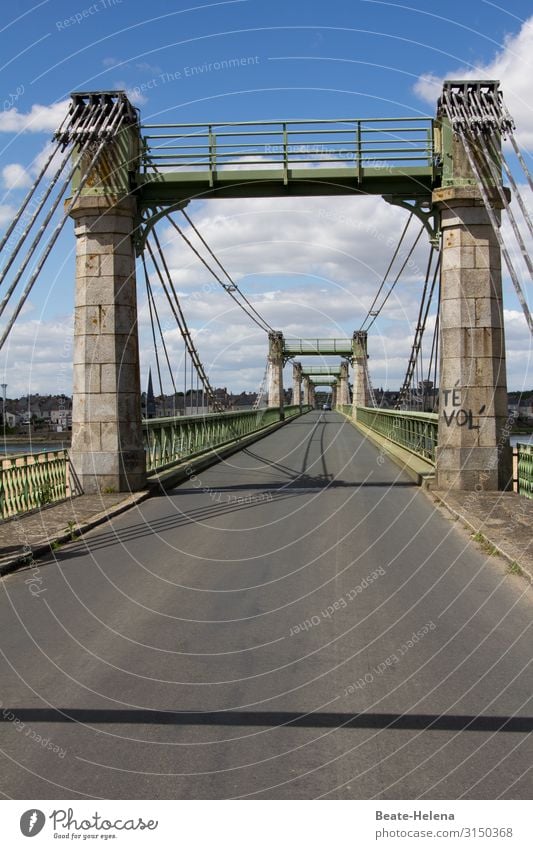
(525, 469)
(29, 481)
(417, 432)
(171, 440)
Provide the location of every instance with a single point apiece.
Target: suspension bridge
(297, 621)
(124, 178)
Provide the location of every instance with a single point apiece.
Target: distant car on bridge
(326, 406)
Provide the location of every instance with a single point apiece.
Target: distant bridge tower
(275, 370)
(361, 390)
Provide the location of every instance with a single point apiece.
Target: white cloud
(512, 65)
(15, 176)
(39, 119)
(6, 213)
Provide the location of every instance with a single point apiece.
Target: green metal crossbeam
(383, 156)
(315, 371)
(318, 347)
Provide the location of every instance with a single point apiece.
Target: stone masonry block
(103, 290)
(472, 342)
(86, 320)
(104, 243)
(458, 257)
(118, 319)
(460, 312)
(467, 215)
(85, 378)
(469, 283)
(121, 377)
(116, 265)
(87, 437)
(100, 408)
(88, 265)
(488, 257)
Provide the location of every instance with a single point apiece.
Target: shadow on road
(400, 721)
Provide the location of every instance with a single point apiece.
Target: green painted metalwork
(29, 481)
(525, 469)
(392, 156)
(347, 409)
(314, 371)
(417, 432)
(170, 441)
(314, 347)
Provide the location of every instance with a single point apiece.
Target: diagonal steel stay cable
(179, 316)
(516, 191)
(30, 195)
(53, 238)
(38, 236)
(425, 306)
(165, 349)
(391, 263)
(223, 269)
(434, 351)
(394, 282)
(496, 228)
(496, 175)
(33, 188)
(521, 160)
(264, 326)
(149, 296)
(81, 152)
(261, 322)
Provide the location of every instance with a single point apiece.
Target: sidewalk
(33, 534)
(503, 522)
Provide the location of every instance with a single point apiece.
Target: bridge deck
(251, 634)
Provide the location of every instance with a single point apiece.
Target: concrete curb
(486, 539)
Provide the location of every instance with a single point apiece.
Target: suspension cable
(497, 180)
(179, 316)
(51, 242)
(391, 263)
(149, 297)
(158, 322)
(264, 326)
(496, 229)
(228, 276)
(416, 349)
(394, 282)
(101, 120)
(516, 190)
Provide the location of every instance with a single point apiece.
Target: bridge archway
(414, 163)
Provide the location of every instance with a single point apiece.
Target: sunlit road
(297, 622)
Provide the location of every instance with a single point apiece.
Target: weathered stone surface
(275, 370)
(473, 393)
(107, 445)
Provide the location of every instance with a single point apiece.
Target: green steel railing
(525, 469)
(356, 143)
(29, 481)
(415, 431)
(172, 440)
(347, 409)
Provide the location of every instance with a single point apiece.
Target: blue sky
(307, 59)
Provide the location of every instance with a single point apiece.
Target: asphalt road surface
(297, 622)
